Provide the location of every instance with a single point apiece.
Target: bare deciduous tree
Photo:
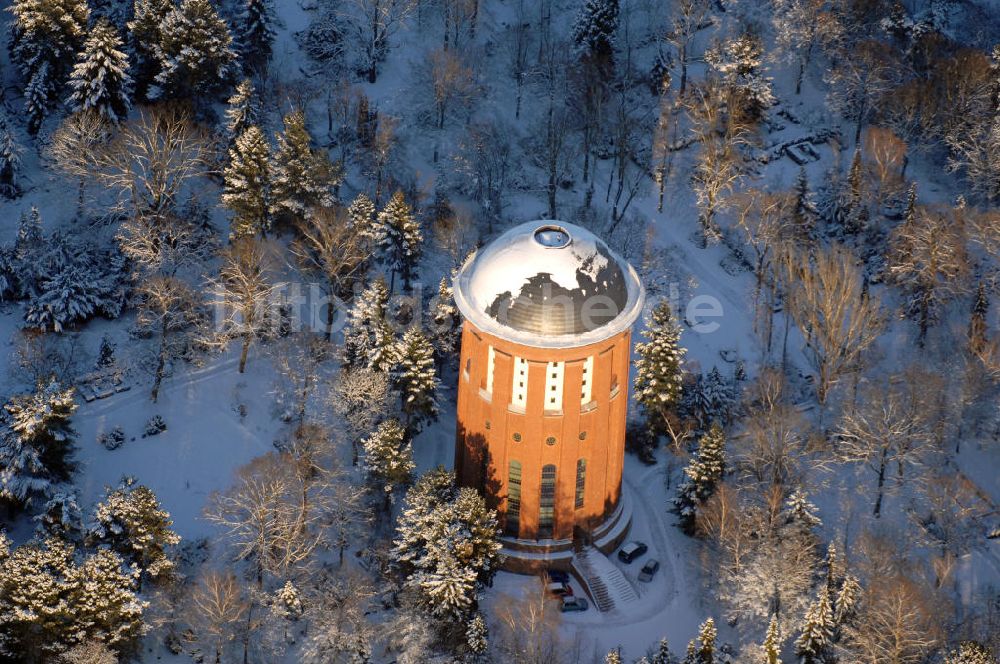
(330, 247)
(885, 428)
(218, 610)
(838, 320)
(243, 296)
(688, 18)
(375, 22)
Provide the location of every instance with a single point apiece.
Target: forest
(228, 233)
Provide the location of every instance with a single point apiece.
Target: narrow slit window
(513, 522)
(519, 397)
(581, 480)
(554, 385)
(586, 394)
(547, 503)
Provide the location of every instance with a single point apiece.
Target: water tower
(543, 388)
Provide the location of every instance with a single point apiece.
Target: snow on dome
(550, 284)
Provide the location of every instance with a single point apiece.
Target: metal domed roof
(548, 283)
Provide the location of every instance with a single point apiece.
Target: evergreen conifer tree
(304, 178)
(977, 322)
(772, 643)
(817, 630)
(243, 111)
(703, 472)
(707, 634)
(594, 29)
(366, 326)
(361, 212)
(131, 522)
(401, 238)
(36, 444)
(416, 379)
(10, 158)
(446, 323)
(388, 459)
(847, 601)
(38, 96)
(45, 37)
(247, 189)
(662, 655)
(855, 212)
(100, 80)
(659, 370)
(195, 52)
(256, 35)
(805, 213)
(447, 545)
(477, 636)
(145, 37)
(613, 657)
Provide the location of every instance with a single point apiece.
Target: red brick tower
(543, 387)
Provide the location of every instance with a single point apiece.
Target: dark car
(631, 550)
(573, 604)
(649, 570)
(557, 589)
(558, 576)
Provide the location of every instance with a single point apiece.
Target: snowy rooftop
(551, 284)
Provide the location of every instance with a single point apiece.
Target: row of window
(547, 499)
(553, 381)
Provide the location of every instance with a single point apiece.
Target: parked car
(559, 589)
(649, 570)
(557, 576)
(631, 550)
(574, 604)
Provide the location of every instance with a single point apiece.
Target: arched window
(547, 502)
(581, 480)
(513, 522)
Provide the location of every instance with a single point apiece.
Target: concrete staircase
(605, 583)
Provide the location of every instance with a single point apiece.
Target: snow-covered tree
(389, 458)
(594, 29)
(36, 444)
(772, 643)
(106, 606)
(703, 473)
(10, 158)
(659, 369)
(248, 184)
(195, 52)
(243, 110)
(415, 378)
(401, 238)
(51, 603)
(477, 636)
(91, 284)
(845, 607)
(662, 654)
(361, 212)
(61, 517)
(970, 652)
(977, 321)
(446, 322)
(707, 633)
(613, 657)
(805, 213)
(817, 630)
(131, 522)
(711, 399)
(738, 63)
(256, 35)
(100, 80)
(45, 37)
(89, 652)
(38, 95)
(367, 337)
(145, 37)
(304, 177)
(447, 545)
